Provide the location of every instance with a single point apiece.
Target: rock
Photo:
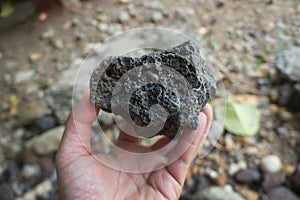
(31, 108)
(235, 167)
(48, 34)
(248, 176)
(247, 193)
(295, 180)
(57, 43)
(217, 193)
(48, 142)
(71, 3)
(288, 62)
(272, 180)
(271, 164)
(45, 123)
(220, 179)
(31, 171)
(5, 192)
(41, 145)
(106, 118)
(23, 76)
(151, 83)
(156, 17)
(123, 17)
(221, 3)
(34, 57)
(281, 193)
(41, 190)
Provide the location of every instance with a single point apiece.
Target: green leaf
(6, 9)
(241, 119)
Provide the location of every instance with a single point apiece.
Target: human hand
(82, 176)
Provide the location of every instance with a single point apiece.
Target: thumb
(77, 134)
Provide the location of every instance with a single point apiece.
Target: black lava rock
(176, 79)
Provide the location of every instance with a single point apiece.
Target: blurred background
(254, 43)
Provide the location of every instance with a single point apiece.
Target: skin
(81, 176)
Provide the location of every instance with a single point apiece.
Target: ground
(243, 38)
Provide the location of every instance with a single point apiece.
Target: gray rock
(22, 76)
(5, 192)
(45, 123)
(31, 170)
(123, 17)
(156, 17)
(282, 193)
(288, 62)
(170, 86)
(271, 164)
(217, 193)
(248, 176)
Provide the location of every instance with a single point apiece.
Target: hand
(81, 176)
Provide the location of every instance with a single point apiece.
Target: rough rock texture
(176, 79)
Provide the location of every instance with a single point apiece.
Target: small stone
(123, 17)
(57, 43)
(40, 191)
(221, 3)
(48, 142)
(247, 193)
(272, 180)
(217, 193)
(106, 118)
(281, 193)
(221, 179)
(31, 109)
(5, 192)
(271, 164)
(248, 176)
(235, 167)
(156, 17)
(35, 57)
(23, 76)
(31, 171)
(45, 123)
(48, 34)
(295, 180)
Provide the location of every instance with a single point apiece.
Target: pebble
(281, 193)
(48, 34)
(23, 76)
(31, 109)
(295, 180)
(213, 193)
(271, 164)
(156, 17)
(33, 57)
(57, 43)
(45, 123)
(48, 142)
(6, 192)
(31, 171)
(272, 180)
(247, 193)
(235, 167)
(248, 176)
(123, 17)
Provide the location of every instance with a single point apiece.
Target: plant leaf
(6, 9)
(241, 119)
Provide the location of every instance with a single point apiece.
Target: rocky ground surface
(253, 42)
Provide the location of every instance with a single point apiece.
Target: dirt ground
(39, 47)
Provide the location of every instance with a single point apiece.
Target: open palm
(82, 176)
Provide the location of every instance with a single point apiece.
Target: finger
(195, 140)
(77, 134)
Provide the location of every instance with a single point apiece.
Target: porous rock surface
(175, 78)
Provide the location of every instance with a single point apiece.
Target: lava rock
(282, 193)
(248, 176)
(175, 79)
